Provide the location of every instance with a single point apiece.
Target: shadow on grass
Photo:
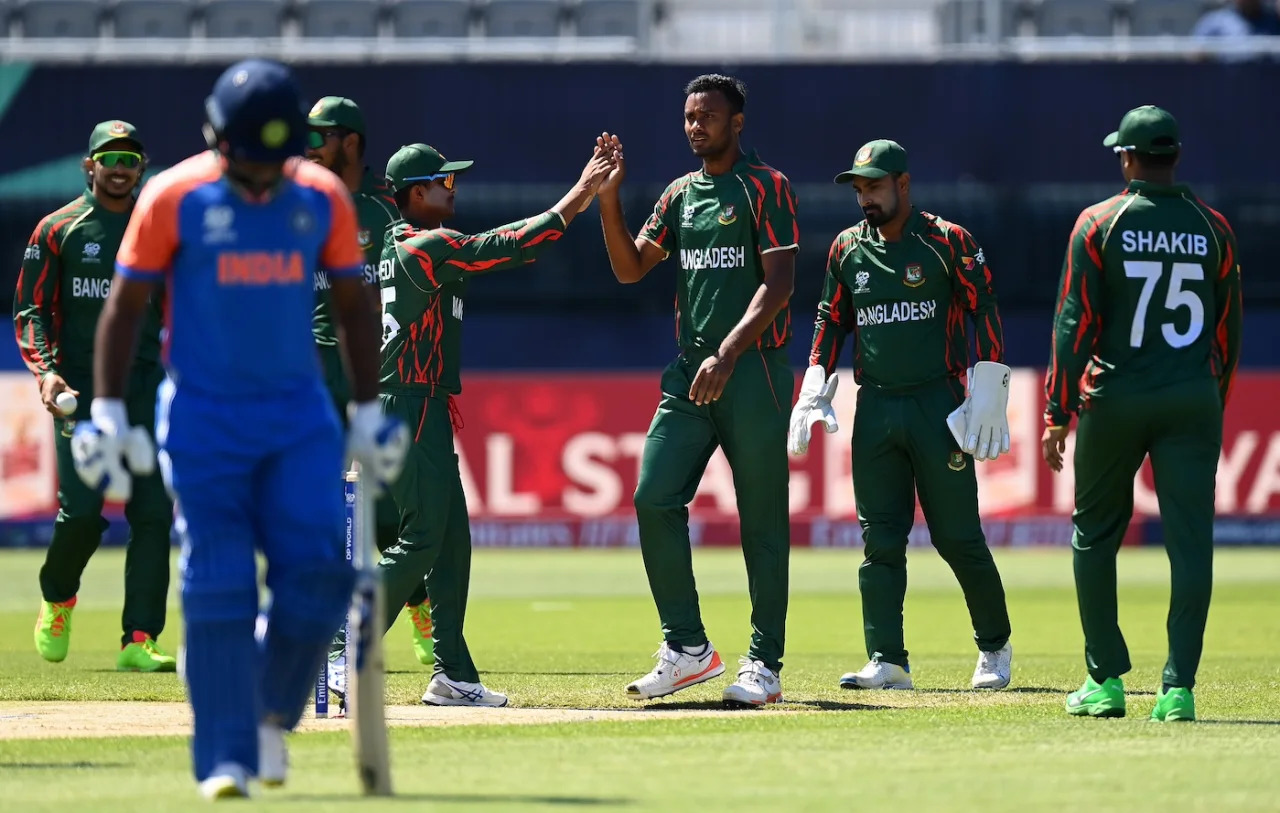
(1238, 722)
(571, 674)
(462, 798)
(40, 766)
(836, 705)
(1014, 690)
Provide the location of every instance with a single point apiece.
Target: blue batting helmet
(256, 112)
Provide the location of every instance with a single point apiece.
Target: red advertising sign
(552, 461)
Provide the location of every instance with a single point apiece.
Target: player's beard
(881, 215)
(339, 164)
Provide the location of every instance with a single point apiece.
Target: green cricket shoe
(53, 629)
(145, 655)
(423, 645)
(1177, 705)
(1095, 699)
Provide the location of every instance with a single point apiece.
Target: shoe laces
(988, 661)
(665, 654)
(61, 615)
(753, 671)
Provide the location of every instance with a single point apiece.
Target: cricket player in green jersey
(423, 276)
(1145, 345)
(65, 278)
(337, 142)
(904, 282)
(732, 223)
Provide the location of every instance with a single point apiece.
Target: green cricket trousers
(749, 422)
(77, 531)
(1180, 428)
(901, 446)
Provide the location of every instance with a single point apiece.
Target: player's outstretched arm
(836, 316)
(630, 257)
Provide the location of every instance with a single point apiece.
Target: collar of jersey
(739, 167)
(1148, 188)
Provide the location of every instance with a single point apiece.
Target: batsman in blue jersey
(250, 442)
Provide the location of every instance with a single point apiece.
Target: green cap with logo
(113, 130)
(419, 162)
(875, 159)
(336, 111)
(1147, 129)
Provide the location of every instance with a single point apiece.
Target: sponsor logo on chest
(698, 259)
(889, 312)
(90, 287)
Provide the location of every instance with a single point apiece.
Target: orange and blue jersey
(239, 273)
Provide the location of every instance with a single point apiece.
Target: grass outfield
(569, 629)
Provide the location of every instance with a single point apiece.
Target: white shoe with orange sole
(757, 685)
(676, 671)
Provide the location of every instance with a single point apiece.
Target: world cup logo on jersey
(860, 280)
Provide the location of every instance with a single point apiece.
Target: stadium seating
(59, 18)
(152, 18)
(522, 18)
(338, 18)
(244, 18)
(1080, 18)
(431, 18)
(608, 18)
(1153, 18)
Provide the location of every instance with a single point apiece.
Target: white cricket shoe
(878, 675)
(273, 755)
(676, 671)
(442, 691)
(994, 669)
(756, 685)
(228, 781)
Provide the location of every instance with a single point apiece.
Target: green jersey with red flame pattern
(423, 276)
(1150, 296)
(63, 285)
(720, 226)
(375, 211)
(905, 303)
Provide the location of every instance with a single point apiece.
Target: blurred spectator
(1228, 31)
(1241, 18)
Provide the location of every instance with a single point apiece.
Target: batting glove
(107, 451)
(813, 405)
(378, 442)
(981, 425)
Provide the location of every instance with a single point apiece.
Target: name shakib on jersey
(1167, 242)
(696, 259)
(90, 288)
(260, 268)
(897, 312)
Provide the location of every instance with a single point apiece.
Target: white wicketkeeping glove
(107, 451)
(378, 442)
(981, 424)
(814, 404)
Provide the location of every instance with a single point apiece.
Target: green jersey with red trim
(423, 278)
(1150, 295)
(63, 285)
(905, 302)
(721, 226)
(375, 211)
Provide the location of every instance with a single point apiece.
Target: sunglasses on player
(118, 158)
(447, 179)
(316, 138)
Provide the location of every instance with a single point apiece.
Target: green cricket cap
(114, 130)
(1147, 129)
(876, 159)
(417, 162)
(336, 111)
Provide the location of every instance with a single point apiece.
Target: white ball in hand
(66, 403)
